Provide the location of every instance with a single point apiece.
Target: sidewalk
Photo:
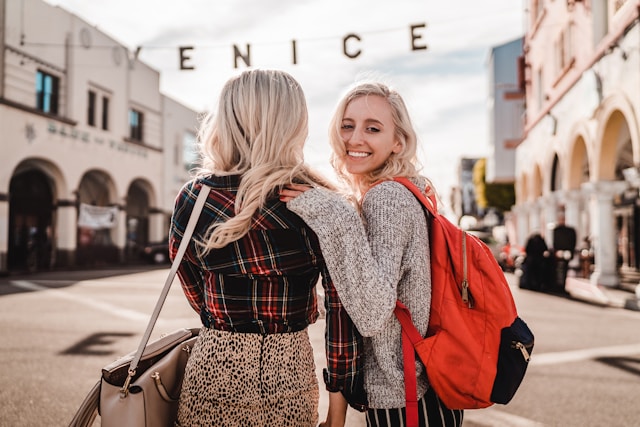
(584, 290)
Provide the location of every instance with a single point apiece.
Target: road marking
(491, 417)
(109, 308)
(536, 359)
(102, 283)
(585, 354)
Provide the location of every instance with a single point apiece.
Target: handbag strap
(184, 243)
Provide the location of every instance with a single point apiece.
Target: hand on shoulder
(290, 192)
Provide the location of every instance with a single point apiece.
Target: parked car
(156, 253)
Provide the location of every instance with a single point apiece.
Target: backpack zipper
(522, 348)
(467, 298)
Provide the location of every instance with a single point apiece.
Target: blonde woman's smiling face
(368, 133)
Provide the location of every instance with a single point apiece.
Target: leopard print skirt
(250, 380)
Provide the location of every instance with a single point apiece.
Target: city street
(60, 328)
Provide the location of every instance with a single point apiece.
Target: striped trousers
(431, 413)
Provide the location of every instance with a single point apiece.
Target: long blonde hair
(258, 132)
(404, 163)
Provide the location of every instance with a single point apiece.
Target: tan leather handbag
(142, 388)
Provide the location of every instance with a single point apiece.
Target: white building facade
(90, 150)
(580, 154)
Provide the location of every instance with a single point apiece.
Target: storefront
(30, 222)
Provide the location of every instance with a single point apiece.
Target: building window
(564, 49)
(600, 14)
(540, 89)
(560, 55)
(136, 120)
(618, 4)
(189, 151)
(91, 109)
(105, 113)
(538, 8)
(47, 92)
(98, 107)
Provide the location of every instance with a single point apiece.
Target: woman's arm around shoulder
(367, 287)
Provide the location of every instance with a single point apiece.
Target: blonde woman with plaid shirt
(251, 270)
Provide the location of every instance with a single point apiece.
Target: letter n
(245, 58)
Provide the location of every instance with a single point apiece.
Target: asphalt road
(59, 329)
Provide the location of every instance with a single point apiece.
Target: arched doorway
(579, 172)
(578, 213)
(616, 163)
(556, 174)
(30, 221)
(626, 210)
(138, 202)
(97, 220)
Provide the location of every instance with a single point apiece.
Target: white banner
(96, 217)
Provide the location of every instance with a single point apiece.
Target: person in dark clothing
(564, 237)
(564, 246)
(537, 266)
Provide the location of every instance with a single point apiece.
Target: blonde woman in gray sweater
(377, 247)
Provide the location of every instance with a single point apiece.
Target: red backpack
(477, 349)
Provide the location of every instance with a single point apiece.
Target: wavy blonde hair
(404, 163)
(258, 132)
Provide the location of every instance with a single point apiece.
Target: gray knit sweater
(372, 264)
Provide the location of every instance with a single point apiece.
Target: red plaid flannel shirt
(265, 280)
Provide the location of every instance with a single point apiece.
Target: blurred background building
(485, 193)
(91, 153)
(580, 155)
(563, 110)
(506, 110)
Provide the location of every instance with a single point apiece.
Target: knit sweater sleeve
(365, 270)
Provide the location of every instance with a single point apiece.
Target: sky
(445, 85)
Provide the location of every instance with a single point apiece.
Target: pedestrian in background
(537, 268)
(564, 246)
(382, 256)
(251, 270)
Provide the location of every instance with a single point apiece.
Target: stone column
(119, 234)
(603, 232)
(66, 233)
(158, 228)
(4, 234)
(572, 207)
(534, 218)
(572, 201)
(522, 223)
(550, 215)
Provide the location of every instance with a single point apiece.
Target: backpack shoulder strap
(429, 201)
(410, 334)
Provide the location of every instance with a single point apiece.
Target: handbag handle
(184, 243)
